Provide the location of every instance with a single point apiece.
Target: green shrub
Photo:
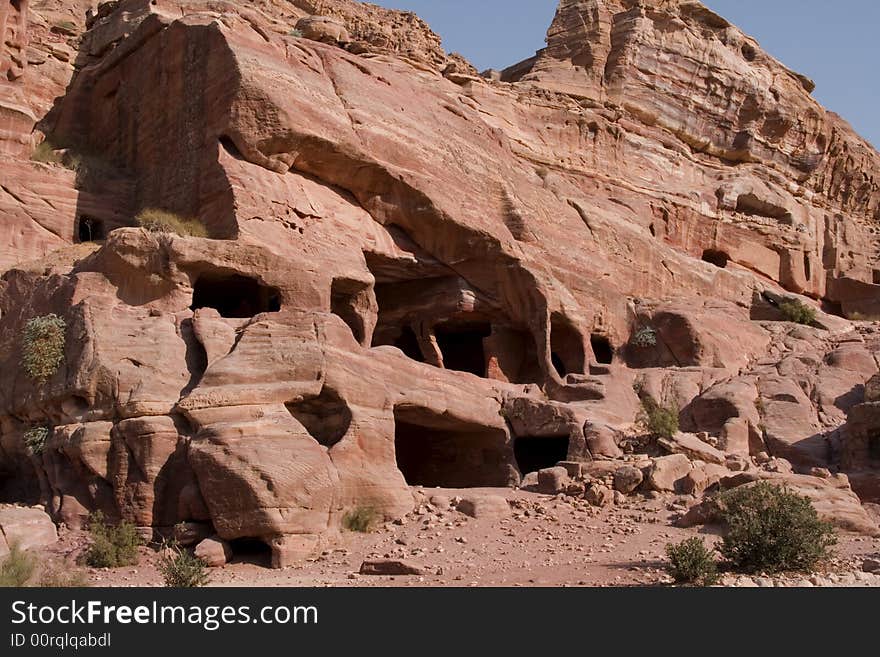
(43, 347)
(296, 33)
(18, 568)
(797, 311)
(659, 421)
(771, 529)
(46, 153)
(111, 547)
(691, 562)
(645, 338)
(362, 519)
(35, 440)
(162, 221)
(182, 569)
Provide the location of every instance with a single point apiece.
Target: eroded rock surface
(414, 276)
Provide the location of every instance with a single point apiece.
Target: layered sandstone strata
(415, 276)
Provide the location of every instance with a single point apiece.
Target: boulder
(692, 447)
(668, 471)
(214, 551)
(390, 567)
(490, 507)
(627, 479)
(27, 527)
(324, 29)
(553, 480)
(599, 495)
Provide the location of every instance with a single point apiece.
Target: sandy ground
(546, 541)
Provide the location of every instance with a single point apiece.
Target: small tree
(182, 569)
(43, 347)
(35, 440)
(362, 519)
(771, 529)
(112, 547)
(796, 311)
(659, 421)
(691, 562)
(645, 337)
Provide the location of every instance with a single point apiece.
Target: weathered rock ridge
(415, 275)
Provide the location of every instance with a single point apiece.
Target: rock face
(26, 528)
(412, 275)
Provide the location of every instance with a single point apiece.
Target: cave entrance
(566, 347)
(235, 296)
(439, 452)
(252, 551)
(602, 349)
(462, 346)
(408, 343)
(718, 258)
(874, 447)
(349, 299)
(535, 453)
(326, 417)
(90, 230)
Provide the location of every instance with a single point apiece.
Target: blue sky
(834, 43)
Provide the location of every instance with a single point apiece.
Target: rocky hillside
(406, 273)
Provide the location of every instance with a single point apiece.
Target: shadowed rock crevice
(326, 417)
(353, 301)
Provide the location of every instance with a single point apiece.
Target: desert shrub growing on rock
(162, 221)
(181, 569)
(43, 347)
(362, 519)
(35, 440)
(111, 547)
(660, 421)
(797, 311)
(691, 562)
(645, 338)
(771, 529)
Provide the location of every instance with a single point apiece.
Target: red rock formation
(417, 276)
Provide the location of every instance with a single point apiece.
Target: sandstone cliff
(413, 274)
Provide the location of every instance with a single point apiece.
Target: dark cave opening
(89, 229)
(437, 452)
(408, 343)
(347, 297)
(808, 269)
(326, 417)
(462, 346)
(566, 347)
(874, 447)
(602, 349)
(718, 258)
(235, 296)
(535, 453)
(558, 365)
(252, 551)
